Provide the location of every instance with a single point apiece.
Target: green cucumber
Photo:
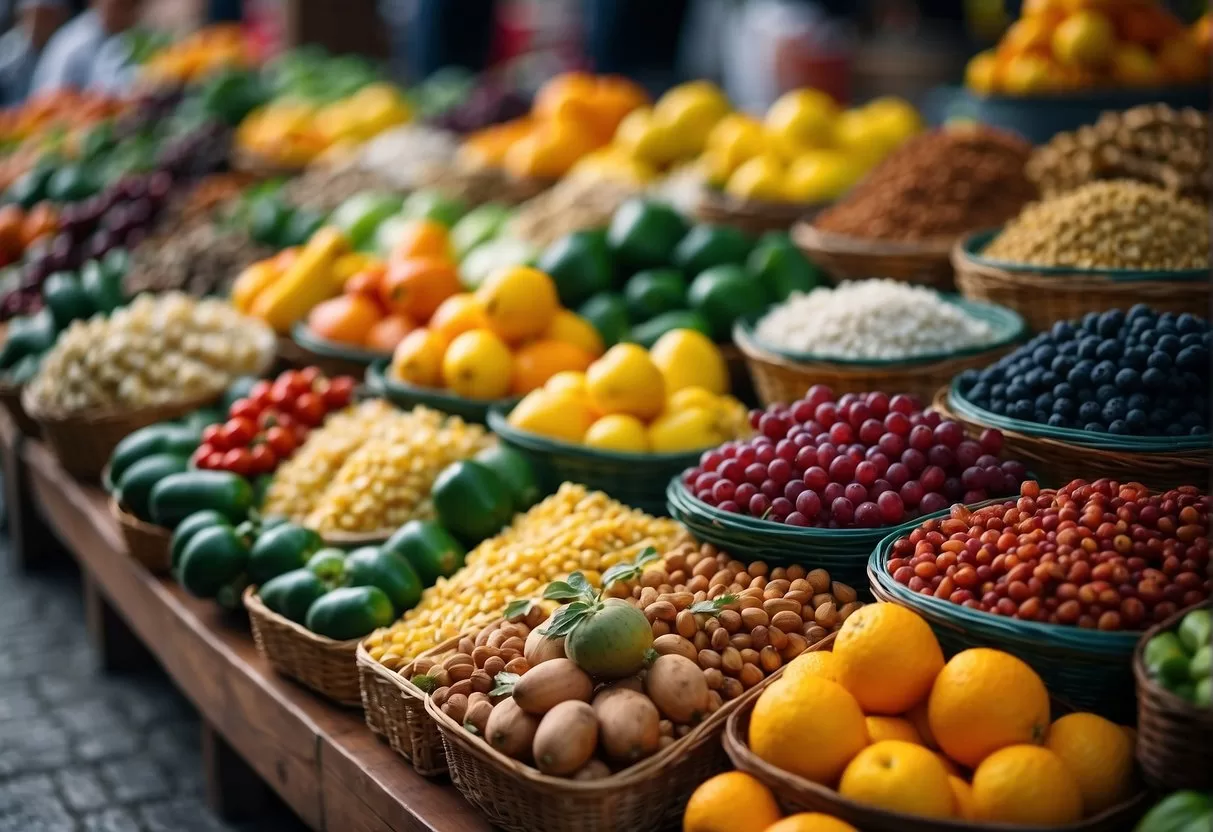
(134, 489)
(179, 495)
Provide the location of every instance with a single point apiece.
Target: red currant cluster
(864, 460)
(1098, 555)
(275, 418)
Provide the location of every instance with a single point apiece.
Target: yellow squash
(306, 282)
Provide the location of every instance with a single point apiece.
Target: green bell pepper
(707, 245)
(781, 268)
(66, 298)
(292, 594)
(213, 558)
(350, 612)
(374, 566)
(281, 549)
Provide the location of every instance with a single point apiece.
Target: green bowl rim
(302, 335)
(976, 240)
(1054, 634)
(1081, 438)
(1011, 323)
(499, 424)
(1097, 96)
(379, 383)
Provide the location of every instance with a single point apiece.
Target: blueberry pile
(1135, 373)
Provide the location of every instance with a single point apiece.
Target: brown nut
(674, 643)
(752, 617)
(666, 728)
(750, 656)
(460, 672)
(685, 624)
(730, 661)
(510, 655)
(422, 665)
(494, 665)
(842, 593)
(661, 628)
(682, 600)
(787, 621)
(513, 643)
(732, 688)
(822, 598)
(496, 639)
(814, 632)
(648, 595)
(714, 701)
(776, 588)
(466, 645)
(708, 659)
(440, 676)
(750, 675)
(482, 637)
(797, 644)
(720, 639)
(819, 580)
(844, 612)
(440, 695)
(481, 681)
(660, 610)
(713, 677)
(456, 659)
(464, 687)
(517, 665)
(760, 638)
(456, 707)
(730, 620)
(481, 654)
(801, 597)
(741, 641)
(769, 659)
(826, 615)
(777, 638)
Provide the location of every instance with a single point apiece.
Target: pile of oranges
(197, 55)
(1060, 45)
(573, 115)
(19, 229)
(886, 722)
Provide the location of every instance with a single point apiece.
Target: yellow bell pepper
(306, 282)
(251, 282)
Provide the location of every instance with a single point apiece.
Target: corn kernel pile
(370, 468)
(574, 529)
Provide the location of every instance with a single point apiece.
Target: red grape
(855, 492)
(806, 458)
(732, 470)
(841, 433)
(897, 423)
(796, 519)
(802, 411)
(759, 505)
(932, 478)
(786, 449)
(878, 403)
(781, 507)
(859, 414)
(870, 431)
(922, 438)
(991, 441)
(911, 493)
(866, 473)
(745, 491)
(710, 460)
(724, 490)
(793, 489)
(902, 404)
(826, 414)
(764, 453)
(832, 492)
(842, 511)
(819, 393)
(949, 433)
(842, 469)
(756, 472)
(816, 477)
(808, 504)
(897, 475)
(867, 515)
(933, 502)
(892, 445)
(892, 510)
(914, 459)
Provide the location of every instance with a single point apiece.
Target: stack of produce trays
(1122, 395)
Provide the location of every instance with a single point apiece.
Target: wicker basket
(785, 377)
(1057, 462)
(925, 263)
(1089, 669)
(379, 383)
(10, 399)
(145, 542)
(1045, 296)
(751, 216)
(83, 442)
(796, 794)
(332, 358)
(1174, 737)
(322, 664)
(636, 480)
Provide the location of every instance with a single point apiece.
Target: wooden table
(321, 759)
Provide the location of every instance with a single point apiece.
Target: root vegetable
(677, 687)
(510, 730)
(627, 725)
(566, 738)
(550, 683)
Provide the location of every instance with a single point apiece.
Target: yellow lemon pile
(668, 399)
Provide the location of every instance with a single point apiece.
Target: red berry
(842, 511)
(806, 458)
(776, 427)
(744, 492)
(819, 393)
(786, 449)
(780, 470)
(730, 506)
(932, 478)
(949, 433)
(832, 492)
(826, 414)
(897, 475)
(914, 459)
(855, 492)
(706, 480)
(803, 411)
(878, 403)
(796, 519)
(897, 423)
(793, 489)
(764, 454)
(859, 414)
(724, 490)
(911, 493)
(733, 470)
(781, 507)
(870, 431)
(991, 440)
(771, 488)
(867, 515)
(710, 460)
(826, 454)
(902, 403)
(755, 473)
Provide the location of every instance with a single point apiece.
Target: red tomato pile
(265, 428)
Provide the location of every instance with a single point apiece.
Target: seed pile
(324, 187)
(871, 319)
(201, 259)
(570, 205)
(1152, 143)
(1108, 225)
(940, 184)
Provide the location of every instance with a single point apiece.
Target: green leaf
(503, 684)
(567, 619)
(470, 728)
(646, 556)
(650, 656)
(713, 607)
(578, 582)
(427, 683)
(630, 571)
(518, 607)
(559, 591)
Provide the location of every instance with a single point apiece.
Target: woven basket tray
(796, 794)
(1045, 296)
(1057, 462)
(1089, 669)
(1174, 737)
(750, 215)
(10, 399)
(332, 358)
(145, 542)
(322, 664)
(650, 795)
(925, 263)
(378, 383)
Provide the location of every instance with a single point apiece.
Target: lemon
(614, 164)
(1086, 38)
(418, 358)
(618, 432)
(802, 119)
(690, 111)
(981, 73)
(567, 381)
(688, 358)
(1134, 66)
(625, 380)
(893, 119)
(519, 302)
(822, 176)
(685, 430)
(559, 415)
(477, 365)
(759, 178)
(860, 137)
(691, 397)
(647, 139)
(571, 328)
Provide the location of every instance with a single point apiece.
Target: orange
(387, 333)
(488, 147)
(887, 657)
(549, 151)
(458, 314)
(899, 777)
(981, 73)
(1028, 75)
(346, 318)
(1183, 60)
(1145, 24)
(1085, 38)
(1134, 66)
(1202, 31)
(566, 96)
(984, 700)
(1029, 34)
(816, 663)
(811, 822)
(422, 238)
(519, 302)
(952, 768)
(538, 361)
(962, 794)
(1028, 785)
(573, 329)
(417, 287)
(808, 726)
(1099, 755)
(892, 728)
(417, 359)
(367, 282)
(917, 717)
(730, 802)
(477, 365)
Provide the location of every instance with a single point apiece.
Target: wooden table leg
(233, 790)
(31, 542)
(118, 647)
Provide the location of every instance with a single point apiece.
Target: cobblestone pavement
(82, 751)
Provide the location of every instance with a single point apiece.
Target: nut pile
(776, 614)
(370, 468)
(1118, 224)
(1100, 555)
(574, 529)
(323, 187)
(570, 205)
(158, 350)
(404, 155)
(201, 259)
(940, 184)
(1152, 143)
(871, 319)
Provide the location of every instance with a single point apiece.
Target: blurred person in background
(91, 51)
(20, 47)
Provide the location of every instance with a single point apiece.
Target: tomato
(286, 420)
(238, 432)
(310, 409)
(301, 431)
(260, 393)
(263, 459)
(281, 396)
(214, 436)
(268, 418)
(294, 381)
(311, 375)
(203, 451)
(245, 409)
(238, 461)
(340, 392)
(281, 440)
(214, 462)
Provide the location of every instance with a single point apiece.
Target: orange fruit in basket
(417, 359)
(1146, 24)
(917, 716)
(1183, 60)
(1028, 34)
(811, 822)
(899, 777)
(1026, 784)
(418, 286)
(538, 361)
(887, 657)
(984, 700)
(346, 319)
(814, 663)
(367, 282)
(458, 314)
(519, 302)
(809, 726)
(962, 794)
(550, 150)
(1134, 66)
(571, 328)
(1085, 38)
(387, 333)
(731, 802)
(892, 728)
(422, 238)
(1099, 755)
